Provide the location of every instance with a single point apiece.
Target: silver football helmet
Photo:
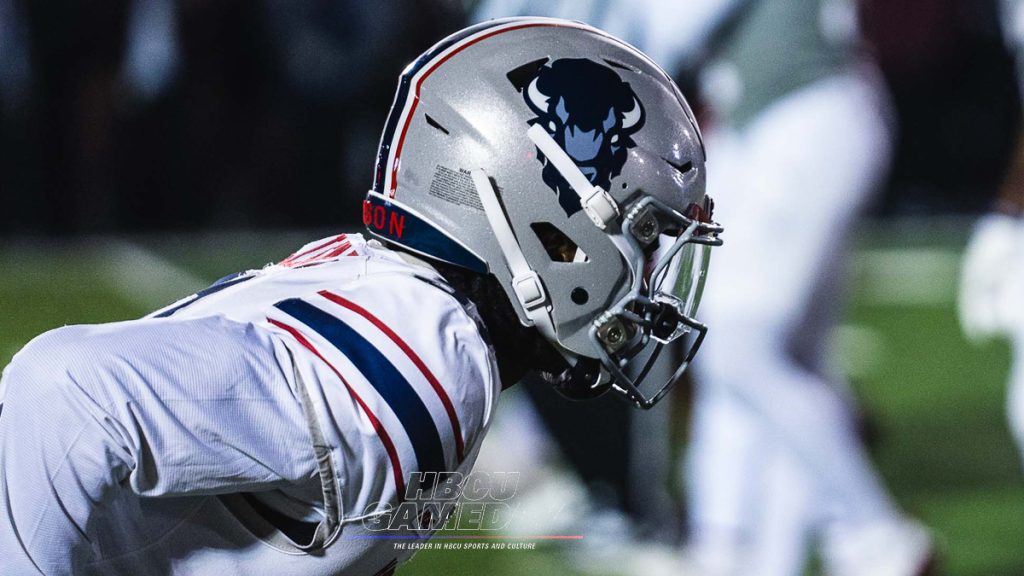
(567, 164)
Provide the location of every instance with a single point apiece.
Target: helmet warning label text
(455, 186)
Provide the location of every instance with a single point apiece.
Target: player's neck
(518, 349)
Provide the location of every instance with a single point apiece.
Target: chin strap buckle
(600, 207)
(526, 282)
(530, 291)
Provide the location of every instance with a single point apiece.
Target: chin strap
(596, 202)
(525, 282)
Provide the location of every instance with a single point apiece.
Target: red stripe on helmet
(429, 71)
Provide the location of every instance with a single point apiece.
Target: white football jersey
(397, 379)
(397, 367)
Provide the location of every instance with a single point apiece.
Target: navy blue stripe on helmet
(393, 387)
(389, 220)
(402, 95)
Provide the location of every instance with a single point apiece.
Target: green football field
(937, 400)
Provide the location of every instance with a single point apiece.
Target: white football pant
(774, 452)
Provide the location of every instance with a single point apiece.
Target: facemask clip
(667, 323)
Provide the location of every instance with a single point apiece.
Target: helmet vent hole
(579, 296)
(560, 248)
(434, 124)
(682, 168)
(523, 75)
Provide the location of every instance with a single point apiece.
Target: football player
(538, 205)
(775, 462)
(992, 276)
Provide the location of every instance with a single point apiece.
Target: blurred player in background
(991, 302)
(553, 219)
(800, 139)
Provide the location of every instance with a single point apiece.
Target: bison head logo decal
(589, 111)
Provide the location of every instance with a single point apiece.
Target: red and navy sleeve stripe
(380, 373)
(428, 374)
(378, 427)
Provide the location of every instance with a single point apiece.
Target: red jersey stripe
(385, 438)
(339, 250)
(320, 246)
(453, 417)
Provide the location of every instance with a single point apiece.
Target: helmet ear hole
(579, 295)
(560, 248)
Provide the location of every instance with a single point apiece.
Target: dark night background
(270, 113)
